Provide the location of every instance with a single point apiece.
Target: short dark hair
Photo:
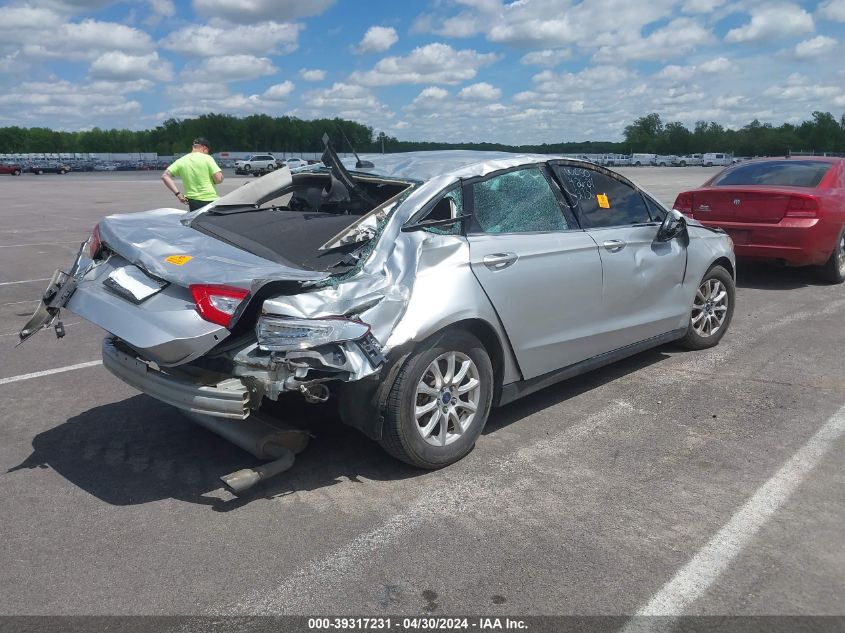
(201, 140)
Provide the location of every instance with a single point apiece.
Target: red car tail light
(802, 207)
(94, 243)
(217, 304)
(683, 203)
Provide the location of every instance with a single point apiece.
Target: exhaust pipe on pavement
(264, 440)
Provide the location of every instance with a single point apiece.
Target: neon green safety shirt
(196, 171)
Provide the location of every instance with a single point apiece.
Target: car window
(451, 205)
(602, 200)
(517, 202)
(791, 172)
(657, 213)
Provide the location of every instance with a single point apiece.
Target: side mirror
(674, 225)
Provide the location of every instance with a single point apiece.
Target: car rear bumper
(794, 241)
(228, 399)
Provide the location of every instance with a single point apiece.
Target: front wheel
(833, 270)
(712, 310)
(439, 403)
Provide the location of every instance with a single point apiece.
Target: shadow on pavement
(773, 277)
(140, 450)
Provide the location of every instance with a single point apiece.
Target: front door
(642, 293)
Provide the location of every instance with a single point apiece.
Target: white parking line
(699, 574)
(48, 372)
(40, 244)
(25, 281)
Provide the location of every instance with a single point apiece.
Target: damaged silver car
(416, 291)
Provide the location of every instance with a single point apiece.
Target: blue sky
(525, 71)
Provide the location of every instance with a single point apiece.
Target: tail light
(217, 304)
(802, 207)
(683, 203)
(94, 243)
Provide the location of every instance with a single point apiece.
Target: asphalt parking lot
(674, 482)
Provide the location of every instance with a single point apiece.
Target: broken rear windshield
(785, 173)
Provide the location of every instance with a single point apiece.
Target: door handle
(499, 261)
(614, 246)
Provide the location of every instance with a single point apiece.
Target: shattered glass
(517, 202)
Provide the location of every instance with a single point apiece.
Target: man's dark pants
(193, 205)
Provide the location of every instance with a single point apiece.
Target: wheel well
(725, 263)
(485, 333)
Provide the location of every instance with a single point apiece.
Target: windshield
(785, 173)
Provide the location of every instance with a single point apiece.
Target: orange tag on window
(178, 260)
(604, 203)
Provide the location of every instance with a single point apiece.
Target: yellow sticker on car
(604, 203)
(178, 260)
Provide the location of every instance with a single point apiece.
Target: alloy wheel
(709, 308)
(447, 398)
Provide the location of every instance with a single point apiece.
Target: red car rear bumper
(795, 241)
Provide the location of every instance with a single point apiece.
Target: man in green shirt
(199, 174)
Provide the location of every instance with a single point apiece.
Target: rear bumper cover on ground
(228, 399)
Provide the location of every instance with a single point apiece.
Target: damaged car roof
(426, 165)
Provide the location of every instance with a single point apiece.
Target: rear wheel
(833, 270)
(439, 403)
(17, 172)
(712, 310)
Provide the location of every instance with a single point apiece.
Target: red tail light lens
(802, 207)
(94, 243)
(217, 304)
(683, 203)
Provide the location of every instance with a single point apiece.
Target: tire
(833, 270)
(17, 172)
(638, 164)
(421, 439)
(247, 168)
(713, 306)
(39, 171)
(683, 163)
(62, 172)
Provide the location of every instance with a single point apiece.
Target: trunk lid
(157, 242)
(742, 204)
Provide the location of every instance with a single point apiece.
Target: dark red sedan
(8, 168)
(787, 210)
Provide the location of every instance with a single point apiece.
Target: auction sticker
(178, 260)
(604, 203)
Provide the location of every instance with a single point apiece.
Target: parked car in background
(416, 296)
(790, 211)
(690, 160)
(665, 160)
(639, 160)
(293, 163)
(49, 168)
(257, 164)
(716, 159)
(615, 160)
(105, 167)
(11, 168)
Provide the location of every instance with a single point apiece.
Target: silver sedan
(415, 290)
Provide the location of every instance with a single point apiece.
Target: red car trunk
(741, 204)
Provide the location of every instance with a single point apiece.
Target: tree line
(261, 132)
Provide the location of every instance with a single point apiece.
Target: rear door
(541, 272)
(642, 292)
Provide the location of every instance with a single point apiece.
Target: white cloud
(213, 41)
(833, 10)
(163, 8)
(258, 11)
(681, 35)
(773, 21)
(480, 92)
(229, 68)
(312, 74)
(433, 63)
(701, 6)
(676, 73)
(547, 57)
(279, 92)
(346, 101)
(78, 41)
(16, 19)
(819, 45)
(120, 66)
(378, 39)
